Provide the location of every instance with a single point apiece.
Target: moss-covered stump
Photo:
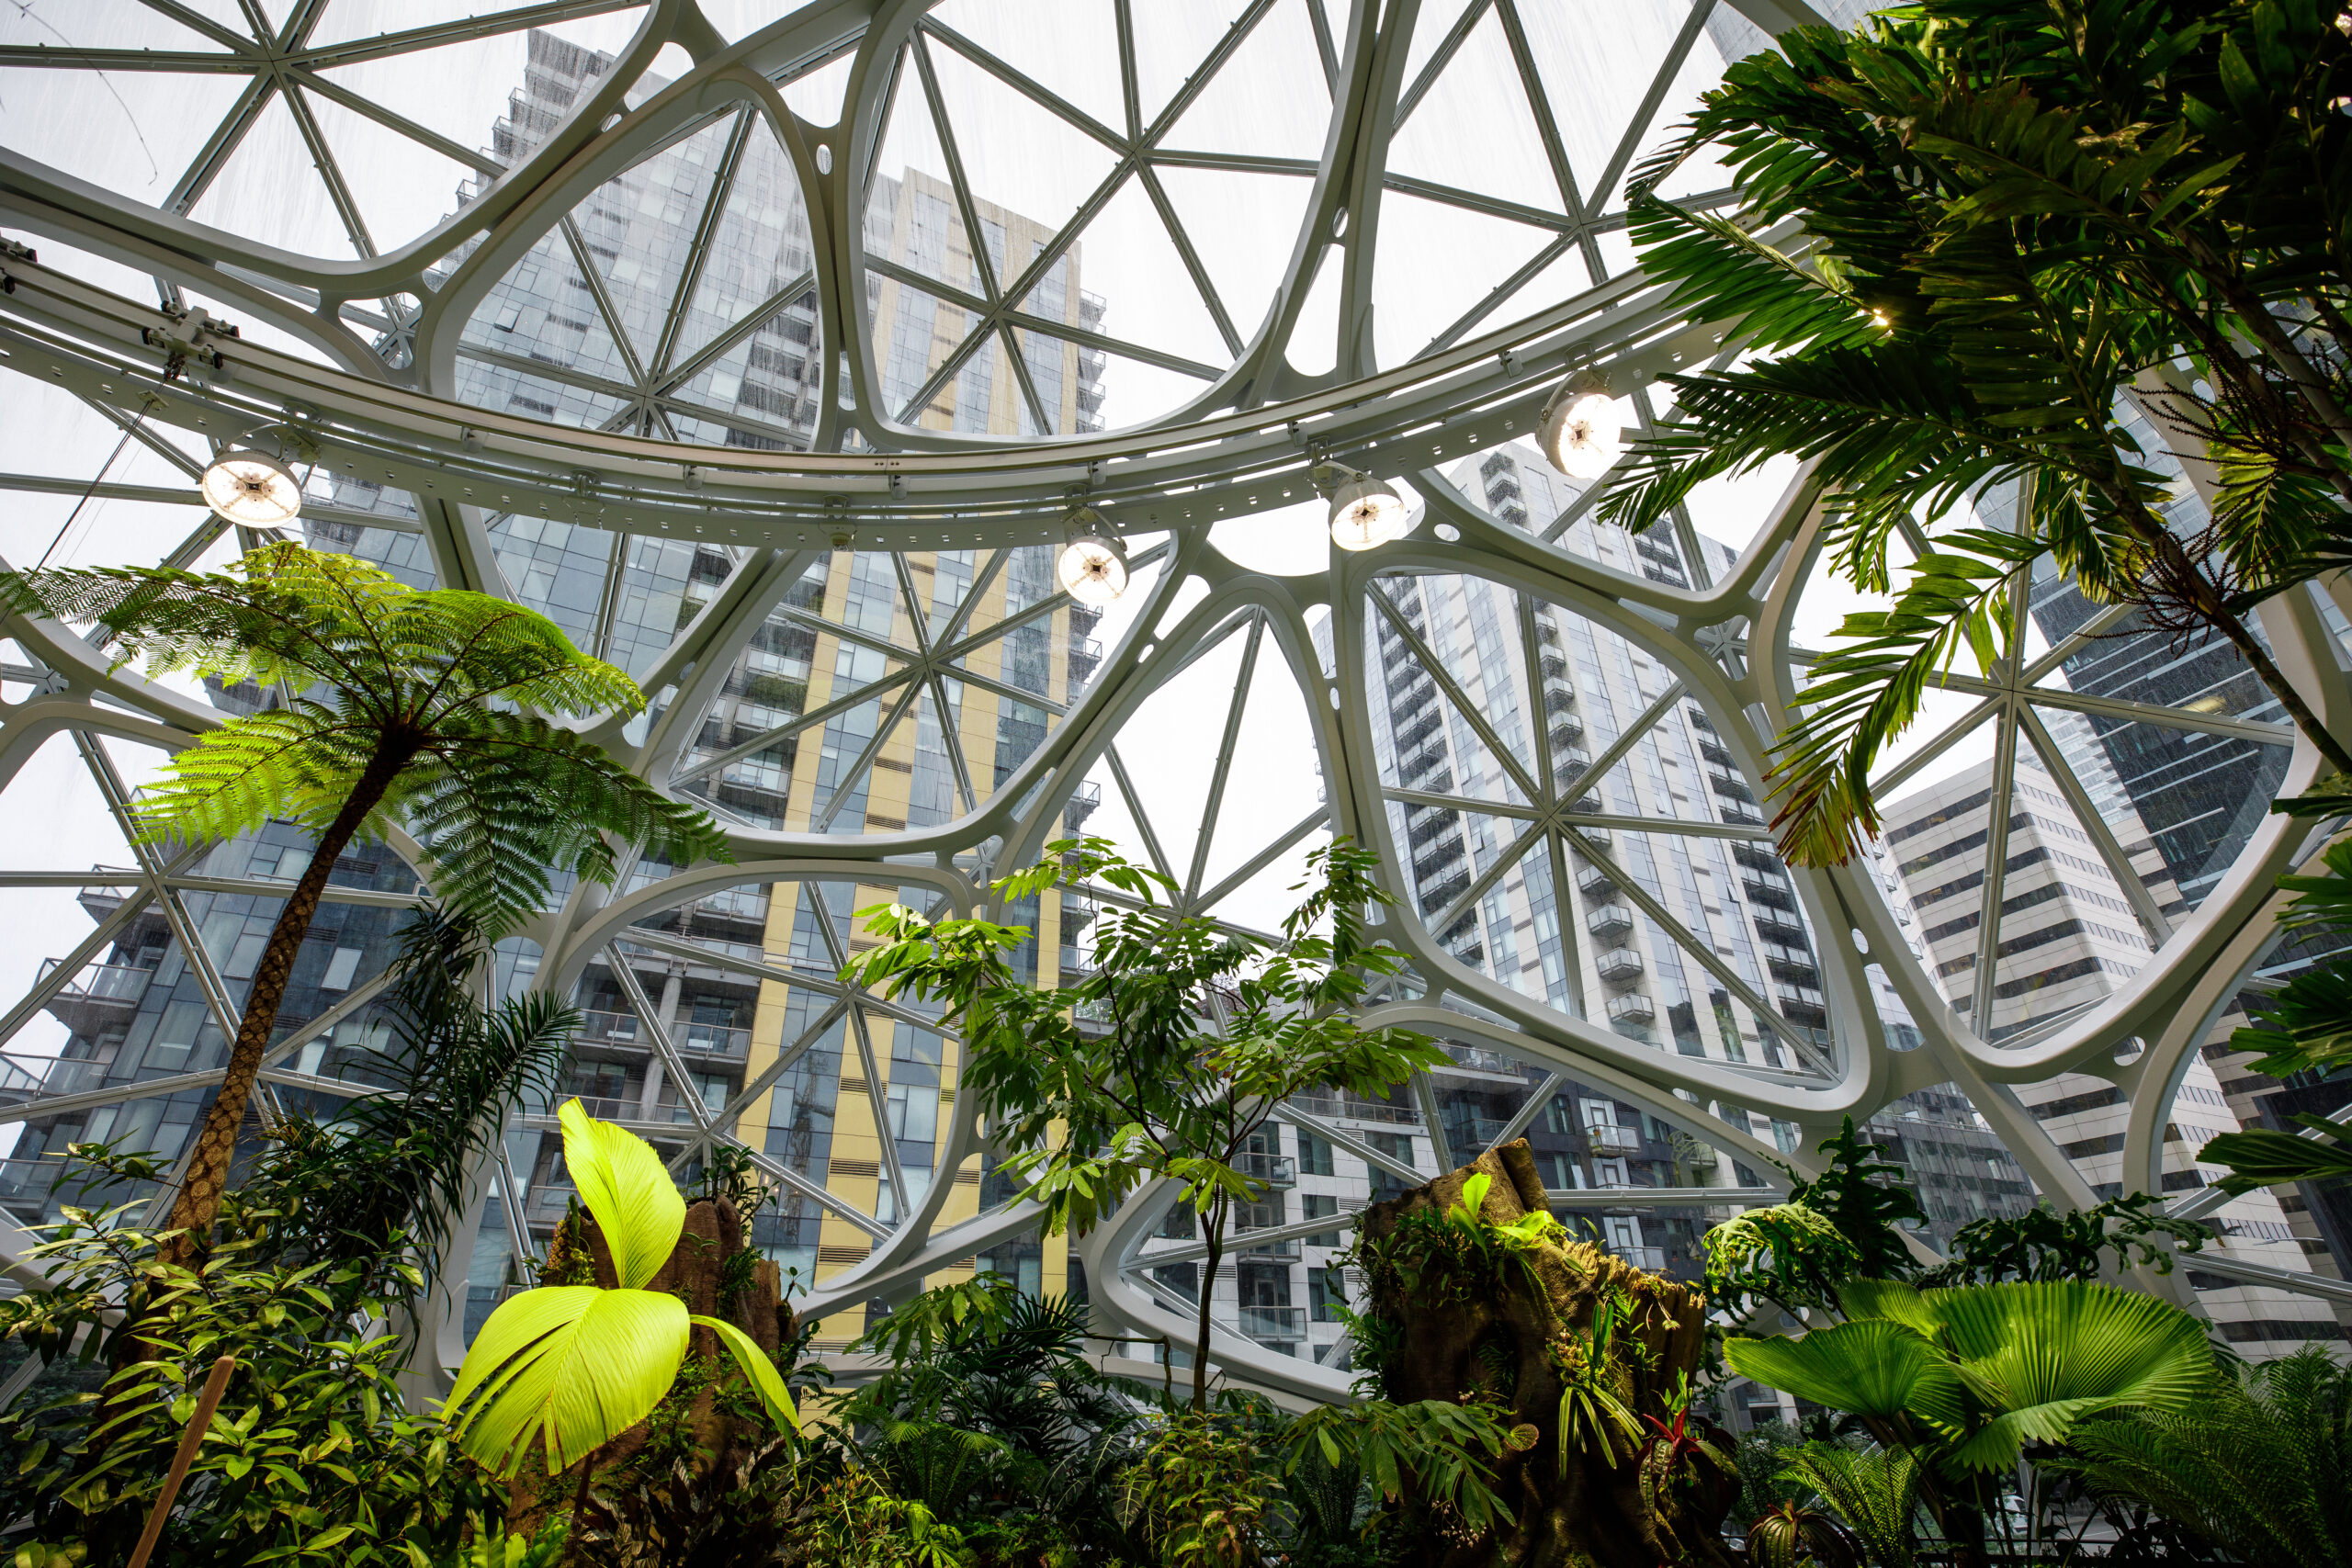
(713, 1419)
(1519, 1314)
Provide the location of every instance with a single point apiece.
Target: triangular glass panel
(1267, 98)
(269, 191)
(557, 569)
(1597, 63)
(1474, 129)
(541, 311)
(1435, 263)
(1029, 170)
(1273, 785)
(1068, 47)
(400, 187)
(1243, 227)
(1125, 278)
(760, 244)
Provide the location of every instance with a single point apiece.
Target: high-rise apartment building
(2069, 938)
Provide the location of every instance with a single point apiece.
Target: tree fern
(416, 708)
(1875, 1492)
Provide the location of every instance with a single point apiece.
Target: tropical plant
(2256, 1467)
(1839, 1226)
(1197, 1494)
(2043, 1244)
(1965, 1378)
(1790, 1535)
(311, 1452)
(1875, 1491)
(1432, 1453)
(1193, 1035)
(1759, 1457)
(385, 1181)
(416, 708)
(565, 1369)
(2015, 214)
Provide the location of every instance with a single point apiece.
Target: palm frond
(1858, 698)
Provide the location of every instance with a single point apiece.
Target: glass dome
(770, 356)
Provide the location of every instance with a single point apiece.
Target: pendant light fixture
(251, 489)
(1365, 512)
(1093, 565)
(1581, 435)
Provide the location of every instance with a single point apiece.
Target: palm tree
(416, 708)
(1965, 1379)
(1967, 235)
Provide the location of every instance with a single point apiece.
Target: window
(1314, 1154)
(1319, 1206)
(245, 956)
(1180, 1223)
(1560, 1116)
(1263, 1287)
(340, 969)
(1324, 1295)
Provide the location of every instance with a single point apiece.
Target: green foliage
(492, 1547)
(1151, 1088)
(1967, 231)
(1972, 1375)
(1759, 1457)
(1788, 1535)
(442, 686)
(1837, 1226)
(2307, 1025)
(1595, 1383)
(857, 1524)
(2256, 1466)
(1875, 1492)
(312, 1453)
(2043, 1244)
(1198, 1495)
(383, 1183)
(1438, 1455)
(2262, 1156)
(565, 1369)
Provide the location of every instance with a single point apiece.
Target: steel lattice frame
(1243, 443)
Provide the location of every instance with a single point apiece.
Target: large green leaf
(1871, 1367)
(623, 1184)
(571, 1365)
(759, 1367)
(2042, 1355)
(2263, 1157)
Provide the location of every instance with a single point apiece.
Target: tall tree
(1165, 1059)
(1968, 234)
(422, 709)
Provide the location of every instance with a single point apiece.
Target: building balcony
(120, 984)
(1620, 966)
(1633, 1006)
(1595, 882)
(1349, 1108)
(1609, 1138)
(1274, 1326)
(1651, 1260)
(1609, 919)
(1739, 813)
(1284, 1250)
(1275, 1170)
(1466, 1135)
(1477, 1059)
(623, 1030)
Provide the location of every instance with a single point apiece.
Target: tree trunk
(216, 1144)
(1217, 1218)
(1635, 1504)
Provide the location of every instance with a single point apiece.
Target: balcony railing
(599, 1028)
(1594, 882)
(1480, 1060)
(1277, 1326)
(1620, 964)
(1608, 920)
(1354, 1110)
(1275, 1170)
(1288, 1247)
(1608, 1138)
(121, 983)
(1651, 1260)
(1633, 1006)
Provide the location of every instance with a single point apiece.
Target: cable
(129, 431)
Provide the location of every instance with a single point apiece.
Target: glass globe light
(1581, 435)
(1365, 514)
(1093, 567)
(251, 489)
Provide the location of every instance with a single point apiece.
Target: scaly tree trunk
(216, 1144)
